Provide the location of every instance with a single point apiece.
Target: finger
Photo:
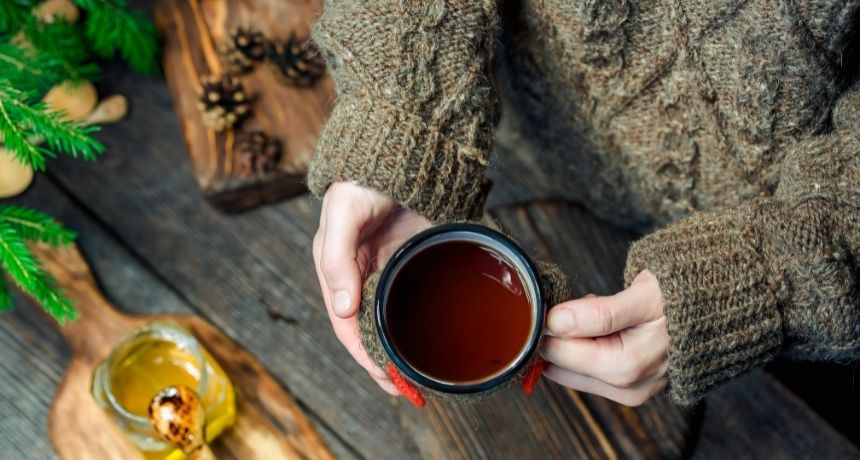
(628, 396)
(606, 359)
(581, 355)
(599, 316)
(646, 342)
(623, 360)
(337, 259)
(347, 332)
(398, 227)
(387, 386)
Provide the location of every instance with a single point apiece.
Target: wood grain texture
(247, 272)
(244, 270)
(155, 246)
(269, 423)
(193, 31)
(34, 358)
(756, 417)
(32, 361)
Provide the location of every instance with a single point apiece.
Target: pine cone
(296, 63)
(243, 47)
(223, 101)
(256, 154)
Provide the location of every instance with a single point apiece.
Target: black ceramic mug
(458, 311)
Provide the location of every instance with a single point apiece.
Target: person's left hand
(614, 346)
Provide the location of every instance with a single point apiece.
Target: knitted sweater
(728, 123)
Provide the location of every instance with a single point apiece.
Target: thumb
(338, 259)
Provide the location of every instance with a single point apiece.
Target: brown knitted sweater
(729, 123)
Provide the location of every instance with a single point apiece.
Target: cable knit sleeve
(776, 276)
(416, 106)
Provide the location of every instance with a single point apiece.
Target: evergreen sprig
(34, 57)
(33, 225)
(26, 272)
(13, 13)
(5, 296)
(22, 70)
(23, 123)
(62, 48)
(112, 28)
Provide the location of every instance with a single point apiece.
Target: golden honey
(156, 356)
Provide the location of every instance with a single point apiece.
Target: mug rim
(530, 277)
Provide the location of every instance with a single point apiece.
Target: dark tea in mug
(459, 308)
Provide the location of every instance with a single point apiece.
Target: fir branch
(21, 125)
(111, 28)
(20, 68)
(35, 226)
(62, 48)
(28, 275)
(61, 135)
(5, 296)
(13, 13)
(33, 72)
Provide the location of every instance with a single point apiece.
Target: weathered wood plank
(268, 420)
(31, 364)
(193, 32)
(751, 409)
(244, 272)
(118, 272)
(756, 417)
(236, 268)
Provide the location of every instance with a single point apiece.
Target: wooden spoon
(75, 99)
(110, 110)
(177, 415)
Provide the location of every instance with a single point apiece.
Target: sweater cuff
(374, 144)
(720, 299)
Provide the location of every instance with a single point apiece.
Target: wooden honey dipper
(177, 415)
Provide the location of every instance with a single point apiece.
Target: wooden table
(157, 246)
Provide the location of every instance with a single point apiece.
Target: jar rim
(162, 330)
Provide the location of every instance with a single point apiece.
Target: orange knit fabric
(405, 388)
(533, 374)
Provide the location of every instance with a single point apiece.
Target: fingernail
(340, 302)
(561, 321)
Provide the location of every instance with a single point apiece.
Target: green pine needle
(62, 48)
(28, 274)
(13, 13)
(23, 71)
(5, 296)
(111, 28)
(33, 225)
(22, 124)
(35, 56)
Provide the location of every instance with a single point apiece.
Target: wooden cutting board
(269, 422)
(193, 30)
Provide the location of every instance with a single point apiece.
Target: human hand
(614, 346)
(359, 230)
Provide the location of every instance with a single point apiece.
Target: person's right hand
(359, 230)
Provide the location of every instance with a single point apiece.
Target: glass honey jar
(148, 359)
